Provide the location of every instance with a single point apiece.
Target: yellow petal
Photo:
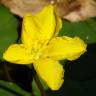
(39, 28)
(65, 48)
(51, 72)
(18, 54)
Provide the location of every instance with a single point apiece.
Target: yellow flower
(43, 48)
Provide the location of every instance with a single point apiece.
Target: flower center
(38, 55)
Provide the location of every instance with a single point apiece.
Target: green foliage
(84, 29)
(35, 89)
(10, 89)
(5, 93)
(8, 29)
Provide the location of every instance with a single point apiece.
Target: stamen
(38, 55)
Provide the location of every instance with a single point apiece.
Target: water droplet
(87, 37)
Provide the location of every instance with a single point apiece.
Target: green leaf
(84, 29)
(8, 29)
(11, 88)
(5, 93)
(35, 89)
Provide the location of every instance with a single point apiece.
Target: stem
(7, 73)
(39, 85)
(33, 94)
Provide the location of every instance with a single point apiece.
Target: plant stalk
(39, 85)
(7, 72)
